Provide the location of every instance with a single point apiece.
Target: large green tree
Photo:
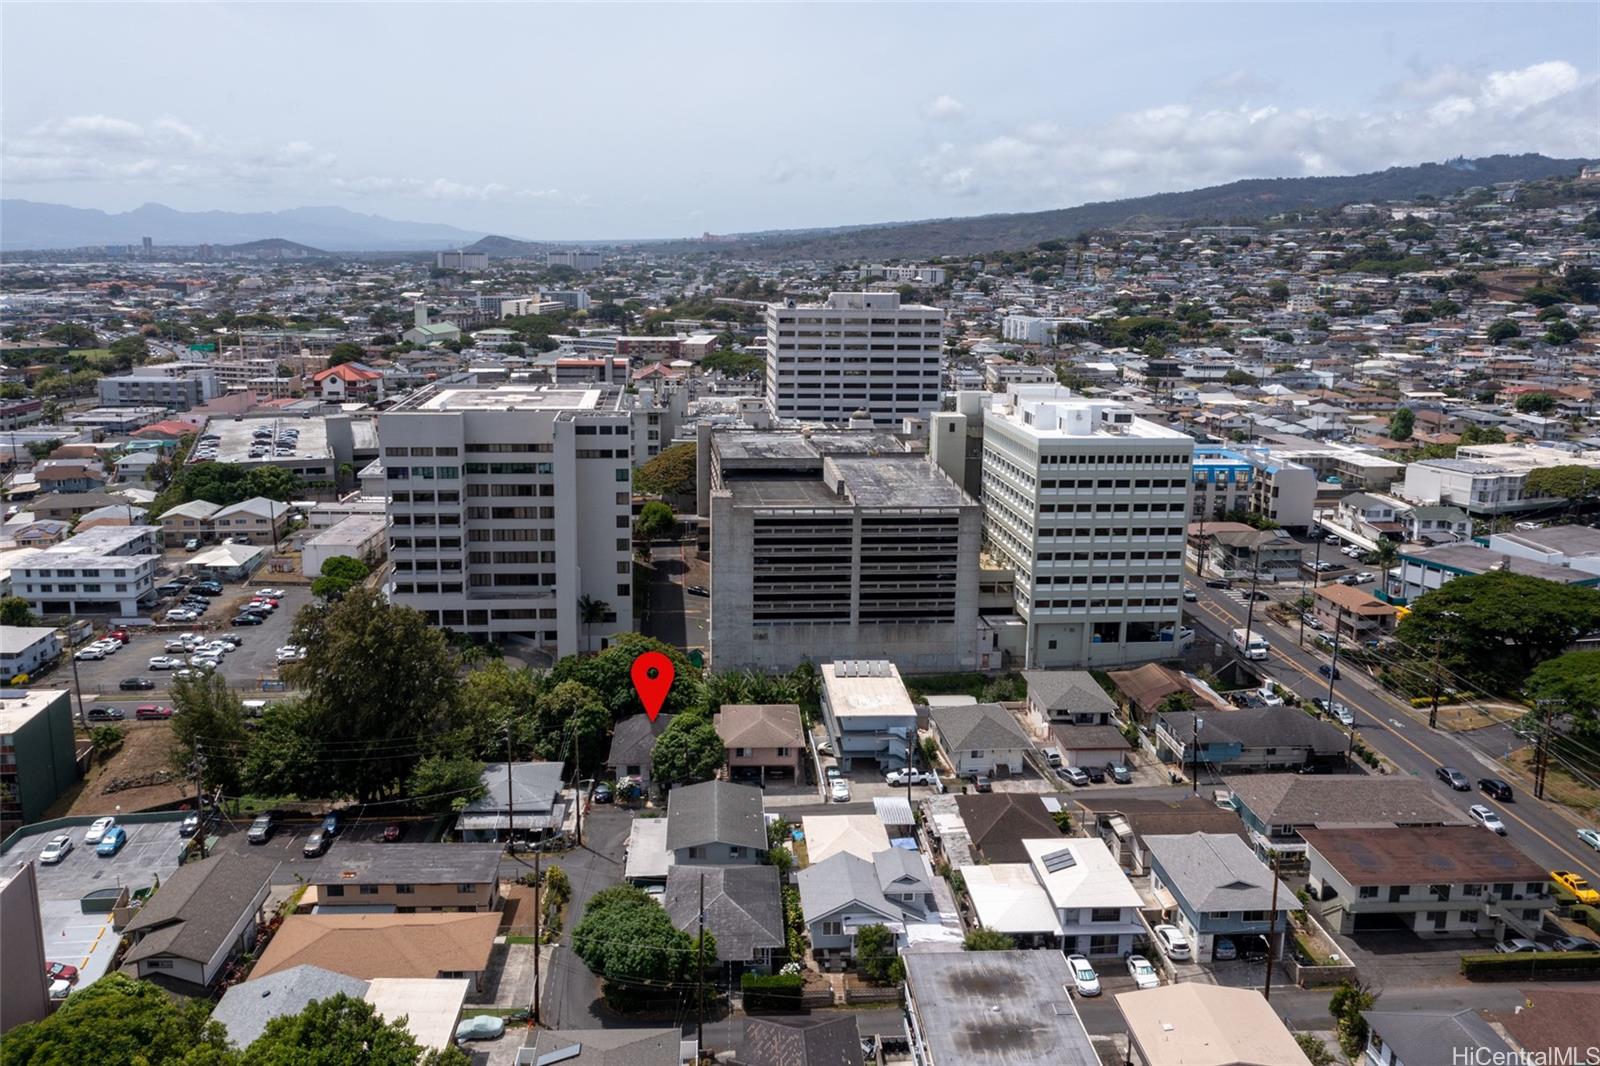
(629, 939)
(286, 754)
(610, 674)
(381, 683)
(1577, 485)
(877, 956)
(1572, 682)
(14, 611)
(120, 1020)
(495, 696)
(655, 520)
(1402, 423)
(208, 729)
(343, 1031)
(1536, 403)
(1496, 627)
(669, 473)
(567, 710)
(340, 573)
(687, 751)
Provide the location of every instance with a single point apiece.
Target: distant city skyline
(619, 121)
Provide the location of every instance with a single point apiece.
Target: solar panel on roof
(1057, 861)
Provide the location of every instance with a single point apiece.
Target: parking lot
(244, 668)
(289, 839)
(87, 940)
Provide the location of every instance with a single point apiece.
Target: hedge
(1528, 966)
(772, 992)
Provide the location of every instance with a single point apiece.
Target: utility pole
(1194, 757)
(1272, 932)
(1333, 672)
(1433, 712)
(1541, 750)
(1314, 585)
(700, 975)
(511, 813)
(577, 782)
(199, 765)
(77, 689)
(1255, 579)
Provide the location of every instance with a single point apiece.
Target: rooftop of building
(236, 439)
(1408, 855)
(509, 398)
(1008, 1008)
(866, 688)
(1473, 559)
(18, 707)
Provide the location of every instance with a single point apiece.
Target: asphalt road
(675, 617)
(1548, 833)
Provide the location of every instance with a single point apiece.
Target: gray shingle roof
(1217, 872)
(1259, 727)
(193, 913)
(635, 738)
(1295, 799)
(605, 1047)
(1067, 690)
(801, 1042)
(246, 1008)
(978, 727)
(1436, 1036)
(533, 784)
(715, 812)
(838, 881)
(420, 864)
(744, 909)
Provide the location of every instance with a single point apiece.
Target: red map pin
(652, 679)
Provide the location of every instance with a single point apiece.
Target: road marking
(1584, 862)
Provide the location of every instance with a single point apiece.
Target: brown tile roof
(999, 822)
(383, 945)
(1354, 600)
(1451, 854)
(760, 725)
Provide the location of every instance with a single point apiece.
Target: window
(1369, 892)
(466, 888)
(1105, 914)
(369, 890)
(1255, 916)
(335, 890)
(832, 928)
(405, 890)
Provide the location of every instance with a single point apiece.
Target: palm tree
(1386, 557)
(590, 611)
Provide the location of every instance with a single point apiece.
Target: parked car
(1519, 945)
(1120, 773)
(103, 713)
(1574, 943)
(192, 544)
(1454, 778)
(698, 590)
(207, 588)
(1330, 671)
(1578, 885)
(60, 990)
(316, 843)
(193, 822)
(246, 619)
(916, 777)
(1084, 979)
(1096, 774)
(151, 712)
(1072, 775)
(1493, 786)
(839, 791)
(89, 654)
(1144, 975)
(604, 793)
(165, 662)
(480, 1027)
(1590, 837)
(98, 829)
(261, 829)
(112, 842)
(1342, 715)
(135, 684)
(1173, 942)
(1486, 818)
(1224, 949)
(981, 783)
(393, 832)
(60, 971)
(55, 849)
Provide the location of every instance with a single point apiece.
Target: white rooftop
(1080, 872)
(513, 398)
(430, 1006)
(866, 688)
(1008, 898)
(18, 707)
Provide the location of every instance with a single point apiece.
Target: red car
(147, 711)
(120, 635)
(392, 833)
(60, 971)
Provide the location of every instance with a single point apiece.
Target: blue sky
(575, 121)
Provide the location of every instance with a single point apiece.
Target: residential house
(257, 520)
(1096, 907)
(200, 918)
(1145, 687)
(867, 713)
(632, 744)
(42, 533)
(764, 740)
(369, 946)
(1370, 516)
(246, 1008)
(1435, 524)
(226, 562)
(188, 521)
(1007, 898)
(68, 506)
(980, 738)
(532, 809)
(1546, 1019)
(1192, 1023)
(994, 1008)
(406, 878)
(604, 1047)
(1088, 745)
(68, 476)
(136, 467)
(1275, 808)
(997, 823)
(1250, 738)
(1438, 881)
(1124, 823)
(743, 909)
(1218, 888)
(1066, 696)
(799, 1041)
(1423, 1037)
(27, 649)
(845, 892)
(349, 383)
(716, 823)
(115, 514)
(826, 835)
(1354, 614)
(1267, 554)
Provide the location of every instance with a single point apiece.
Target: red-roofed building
(348, 382)
(169, 429)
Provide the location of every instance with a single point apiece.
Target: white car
(1173, 942)
(1590, 837)
(182, 614)
(55, 849)
(840, 790)
(1486, 818)
(1084, 979)
(98, 829)
(110, 647)
(218, 646)
(179, 645)
(276, 594)
(289, 653)
(900, 776)
(89, 654)
(165, 662)
(1342, 715)
(1143, 974)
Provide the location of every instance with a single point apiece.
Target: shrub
(1554, 966)
(778, 992)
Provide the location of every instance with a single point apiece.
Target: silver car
(55, 849)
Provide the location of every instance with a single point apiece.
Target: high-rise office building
(510, 511)
(856, 351)
(1088, 504)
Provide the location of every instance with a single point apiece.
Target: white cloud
(945, 106)
(1521, 89)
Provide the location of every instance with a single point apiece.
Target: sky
(569, 121)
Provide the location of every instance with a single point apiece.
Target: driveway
(674, 616)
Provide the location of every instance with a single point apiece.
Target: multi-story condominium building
(1488, 479)
(571, 299)
(650, 347)
(856, 351)
(462, 260)
(1254, 480)
(1087, 504)
(510, 506)
(601, 369)
(575, 259)
(136, 390)
(835, 545)
(106, 570)
(914, 275)
(1030, 329)
(518, 306)
(1355, 468)
(36, 753)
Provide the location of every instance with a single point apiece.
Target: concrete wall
(24, 993)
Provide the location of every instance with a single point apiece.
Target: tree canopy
(208, 725)
(655, 519)
(1537, 403)
(1402, 423)
(118, 1019)
(343, 1031)
(340, 573)
(877, 955)
(1570, 482)
(629, 939)
(225, 483)
(1573, 681)
(14, 611)
(669, 473)
(982, 939)
(688, 750)
(609, 674)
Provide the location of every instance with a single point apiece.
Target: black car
(247, 620)
(1219, 583)
(1493, 786)
(1097, 774)
(1328, 670)
(207, 588)
(604, 793)
(135, 684)
(1454, 778)
(169, 589)
(105, 714)
(194, 822)
(698, 590)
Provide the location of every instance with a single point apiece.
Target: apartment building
(649, 347)
(470, 261)
(1489, 479)
(36, 753)
(1087, 504)
(507, 506)
(155, 389)
(868, 713)
(102, 571)
(1354, 468)
(837, 545)
(574, 259)
(1254, 480)
(855, 351)
(408, 878)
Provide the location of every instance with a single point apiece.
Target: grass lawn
(1559, 785)
(1462, 718)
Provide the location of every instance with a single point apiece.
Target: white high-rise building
(858, 351)
(509, 507)
(1088, 505)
